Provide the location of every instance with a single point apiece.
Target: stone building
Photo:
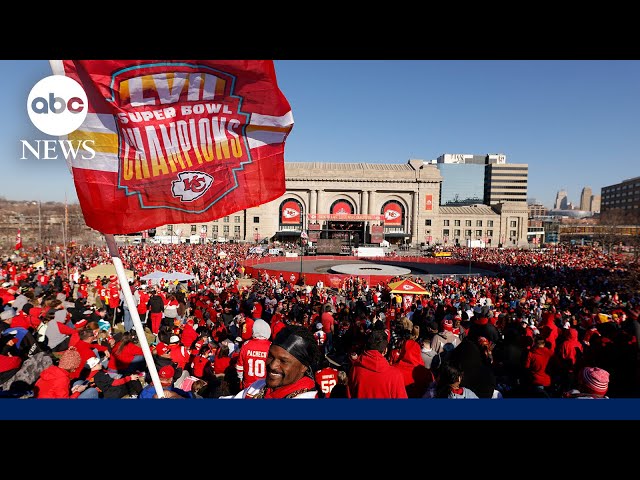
(365, 203)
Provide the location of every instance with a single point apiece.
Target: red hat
(162, 348)
(166, 372)
(447, 325)
(596, 380)
(80, 324)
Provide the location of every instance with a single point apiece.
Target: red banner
(290, 213)
(392, 214)
(18, 240)
(377, 233)
(180, 141)
(313, 217)
(314, 231)
(428, 203)
(341, 208)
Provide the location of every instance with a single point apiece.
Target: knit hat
(261, 329)
(596, 380)
(70, 359)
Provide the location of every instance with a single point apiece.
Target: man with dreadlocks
(291, 362)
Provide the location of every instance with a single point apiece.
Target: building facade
(585, 199)
(506, 182)
(366, 202)
(561, 201)
(624, 196)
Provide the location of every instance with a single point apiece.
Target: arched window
(342, 207)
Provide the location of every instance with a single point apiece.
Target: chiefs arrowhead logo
(391, 215)
(191, 185)
(290, 213)
(407, 287)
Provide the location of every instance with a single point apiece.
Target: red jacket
(54, 382)
(536, 364)
(220, 364)
(416, 376)
(189, 335)
(122, 360)
(371, 376)
(9, 363)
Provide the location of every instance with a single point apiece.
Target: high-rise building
(623, 196)
(561, 200)
(505, 182)
(585, 199)
(595, 204)
(473, 179)
(462, 184)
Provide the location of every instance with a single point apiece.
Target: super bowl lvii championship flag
(172, 142)
(181, 141)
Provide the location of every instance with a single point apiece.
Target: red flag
(18, 240)
(178, 141)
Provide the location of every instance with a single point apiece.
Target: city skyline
(571, 122)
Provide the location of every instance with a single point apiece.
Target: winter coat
(371, 376)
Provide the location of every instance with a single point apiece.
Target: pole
(133, 310)
(64, 234)
(40, 221)
(64, 250)
(469, 244)
(301, 257)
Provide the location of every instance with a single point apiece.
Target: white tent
(155, 277)
(179, 276)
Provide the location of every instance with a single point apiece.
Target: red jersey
(252, 361)
(327, 378)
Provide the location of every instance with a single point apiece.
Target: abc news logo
(57, 105)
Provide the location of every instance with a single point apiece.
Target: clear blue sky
(576, 123)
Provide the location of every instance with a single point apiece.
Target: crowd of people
(560, 323)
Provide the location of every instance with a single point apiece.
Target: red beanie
(596, 380)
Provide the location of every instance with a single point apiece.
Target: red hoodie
(417, 377)
(371, 376)
(54, 382)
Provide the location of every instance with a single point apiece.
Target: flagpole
(64, 234)
(133, 310)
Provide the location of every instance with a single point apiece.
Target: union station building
(368, 203)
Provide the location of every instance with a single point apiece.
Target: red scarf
(304, 384)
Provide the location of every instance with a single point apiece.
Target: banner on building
(314, 232)
(176, 142)
(393, 214)
(377, 233)
(290, 213)
(341, 208)
(357, 217)
(428, 202)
